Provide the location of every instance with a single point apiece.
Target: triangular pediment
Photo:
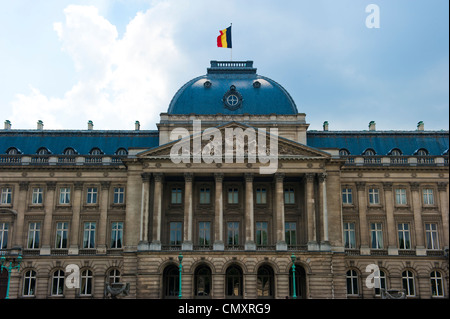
(235, 137)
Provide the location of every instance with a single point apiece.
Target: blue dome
(232, 88)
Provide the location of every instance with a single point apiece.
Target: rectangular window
(89, 235)
(204, 234)
(36, 197)
(349, 235)
(374, 196)
(34, 230)
(261, 234)
(432, 236)
(233, 196)
(64, 195)
(6, 195)
(428, 198)
(289, 197)
(91, 197)
(205, 197)
(291, 233)
(376, 234)
(233, 234)
(404, 239)
(62, 229)
(119, 195)
(261, 196)
(4, 235)
(400, 196)
(175, 233)
(347, 197)
(176, 195)
(116, 235)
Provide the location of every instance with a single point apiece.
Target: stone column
(103, 224)
(443, 196)
(188, 213)
(48, 211)
(311, 212)
(18, 227)
(325, 242)
(157, 207)
(218, 213)
(279, 212)
(75, 223)
(391, 227)
(418, 223)
(249, 214)
(145, 202)
(363, 226)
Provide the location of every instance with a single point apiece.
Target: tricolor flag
(224, 39)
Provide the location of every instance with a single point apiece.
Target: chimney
(372, 126)
(137, 126)
(90, 125)
(325, 126)
(40, 125)
(7, 125)
(420, 126)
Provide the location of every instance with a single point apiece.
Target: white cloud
(120, 80)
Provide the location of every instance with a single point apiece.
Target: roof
(29, 141)
(207, 94)
(382, 142)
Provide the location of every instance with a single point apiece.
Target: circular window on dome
(232, 99)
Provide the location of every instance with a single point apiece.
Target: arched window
(202, 282)
(422, 152)
(58, 283)
(265, 282)
(395, 152)
(29, 283)
(95, 151)
(171, 282)
(300, 282)
(234, 282)
(86, 283)
(43, 151)
(437, 287)
(12, 151)
(344, 152)
(369, 152)
(121, 151)
(69, 151)
(352, 283)
(408, 283)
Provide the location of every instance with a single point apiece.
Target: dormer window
(395, 152)
(369, 152)
(12, 151)
(43, 151)
(69, 151)
(96, 151)
(422, 152)
(344, 152)
(121, 151)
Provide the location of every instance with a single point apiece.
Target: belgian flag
(224, 39)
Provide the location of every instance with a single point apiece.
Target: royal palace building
(233, 181)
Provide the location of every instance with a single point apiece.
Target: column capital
(78, 185)
(442, 186)
(387, 186)
(249, 177)
(310, 177)
(105, 185)
(23, 186)
(322, 177)
(414, 186)
(146, 177)
(51, 186)
(218, 177)
(361, 186)
(188, 177)
(279, 177)
(158, 177)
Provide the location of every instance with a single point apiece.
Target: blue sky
(117, 61)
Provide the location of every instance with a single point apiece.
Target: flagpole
(231, 49)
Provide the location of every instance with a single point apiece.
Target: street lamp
(9, 268)
(294, 295)
(180, 259)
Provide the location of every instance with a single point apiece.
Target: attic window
(369, 152)
(344, 152)
(95, 151)
(12, 151)
(69, 151)
(43, 151)
(121, 151)
(395, 152)
(422, 152)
